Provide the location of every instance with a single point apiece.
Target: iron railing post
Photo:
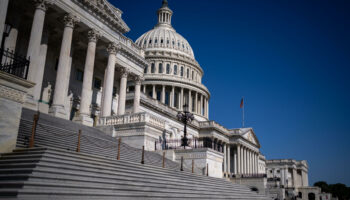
(163, 164)
(119, 143)
(182, 163)
(143, 155)
(78, 145)
(35, 122)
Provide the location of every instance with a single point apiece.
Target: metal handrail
(13, 63)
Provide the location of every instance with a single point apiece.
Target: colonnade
(37, 65)
(178, 97)
(239, 159)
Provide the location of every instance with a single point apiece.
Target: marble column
(238, 159)
(235, 160)
(201, 106)
(245, 161)
(61, 86)
(86, 93)
(3, 13)
(196, 103)
(189, 101)
(181, 99)
(109, 81)
(162, 99)
(144, 89)
(229, 160)
(225, 159)
(136, 107)
(208, 108)
(122, 91)
(33, 52)
(172, 97)
(154, 94)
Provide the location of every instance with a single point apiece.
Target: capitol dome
(173, 76)
(164, 37)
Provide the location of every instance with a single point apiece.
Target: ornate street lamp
(185, 117)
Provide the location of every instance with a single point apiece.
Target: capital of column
(70, 20)
(93, 35)
(138, 80)
(124, 72)
(42, 4)
(113, 48)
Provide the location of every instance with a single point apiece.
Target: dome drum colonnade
(173, 76)
(116, 45)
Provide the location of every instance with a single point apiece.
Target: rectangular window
(79, 75)
(97, 83)
(114, 91)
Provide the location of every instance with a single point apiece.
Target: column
(225, 159)
(11, 40)
(235, 160)
(3, 13)
(136, 107)
(245, 161)
(229, 160)
(208, 108)
(109, 81)
(201, 106)
(86, 93)
(181, 99)
(248, 161)
(144, 89)
(154, 94)
(189, 101)
(33, 51)
(283, 178)
(238, 159)
(61, 86)
(196, 103)
(172, 97)
(122, 91)
(162, 99)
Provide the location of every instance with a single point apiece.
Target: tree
(323, 185)
(337, 190)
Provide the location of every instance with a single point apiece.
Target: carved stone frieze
(12, 94)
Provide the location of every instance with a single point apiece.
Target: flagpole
(243, 113)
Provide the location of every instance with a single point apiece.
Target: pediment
(248, 134)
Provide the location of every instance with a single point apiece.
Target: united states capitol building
(79, 66)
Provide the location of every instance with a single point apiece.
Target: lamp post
(185, 117)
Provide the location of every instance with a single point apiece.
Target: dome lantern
(164, 14)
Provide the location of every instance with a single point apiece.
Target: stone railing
(132, 119)
(213, 124)
(129, 43)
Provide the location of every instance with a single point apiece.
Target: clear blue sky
(289, 59)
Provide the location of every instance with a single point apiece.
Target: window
(278, 171)
(79, 75)
(145, 42)
(192, 75)
(167, 41)
(161, 41)
(175, 69)
(271, 171)
(150, 41)
(168, 68)
(188, 73)
(156, 41)
(173, 43)
(160, 69)
(178, 44)
(182, 71)
(145, 70)
(152, 68)
(158, 95)
(97, 83)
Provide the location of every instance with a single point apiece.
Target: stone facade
(13, 91)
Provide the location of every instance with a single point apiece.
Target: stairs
(51, 173)
(53, 170)
(63, 134)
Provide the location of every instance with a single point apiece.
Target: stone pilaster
(154, 94)
(172, 97)
(122, 90)
(61, 87)
(162, 99)
(107, 95)
(229, 160)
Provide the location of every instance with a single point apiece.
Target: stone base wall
(13, 91)
(258, 183)
(201, 158)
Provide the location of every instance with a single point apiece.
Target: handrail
(14, 63)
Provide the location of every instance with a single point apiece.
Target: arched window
(192, 75)
(173, 42)
(145, 42)
(168, 68)
(167, 41)
(150, 41)
(188, 73)
(175, 69)
(145, 70)
(160, 68)
(152, 68)
(182, 71)
(161, 41)
(156, 41)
